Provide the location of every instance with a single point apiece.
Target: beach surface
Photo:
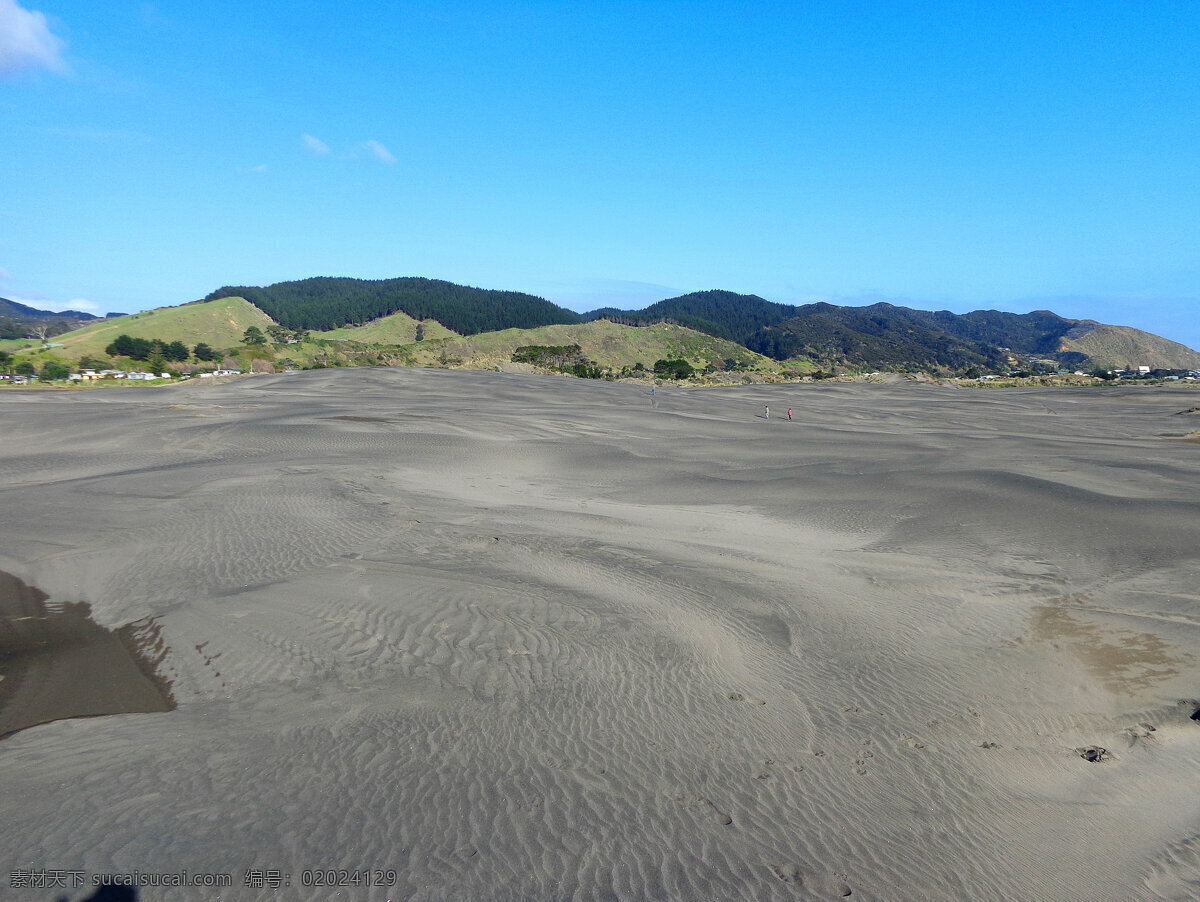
(484, 636)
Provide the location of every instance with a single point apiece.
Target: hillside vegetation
(712, 330)
(1118, 347)
(396, 329)
(605, 343)
(881, 336)
(217, 323)
(877, 337)
(331, 303)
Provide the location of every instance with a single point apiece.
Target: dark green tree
(204, 352)
(156, 360)
(52, 371)
(177, 351)
(133, 348)
(254, 336)
(24, 368)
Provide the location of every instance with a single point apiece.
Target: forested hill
(726, 314)
(330, 303)
(881, 335)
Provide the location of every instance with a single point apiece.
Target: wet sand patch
(58, 663)
(1122, 660)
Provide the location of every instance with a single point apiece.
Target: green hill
(1118, 347)
(220, 324)
(603, 342)
(396, 329)
(331, 303)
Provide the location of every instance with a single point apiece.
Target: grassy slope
(395, 329)
(1115, 347)
(219, 324)
(603, 342)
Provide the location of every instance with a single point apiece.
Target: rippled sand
(535, 638)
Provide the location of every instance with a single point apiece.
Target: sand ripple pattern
(523, 638)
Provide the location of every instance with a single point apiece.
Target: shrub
(673, 369)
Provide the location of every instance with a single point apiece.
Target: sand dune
(534, 638)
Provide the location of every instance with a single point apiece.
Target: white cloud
(26, 41)
(316, 145)
(5, 275)
(379, 152)
(261, 167)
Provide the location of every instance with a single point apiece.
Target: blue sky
(940, 155)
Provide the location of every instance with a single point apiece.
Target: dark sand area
(535, 638)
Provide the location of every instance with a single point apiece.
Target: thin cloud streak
(315, 145)
(379, 152)
(26, 41)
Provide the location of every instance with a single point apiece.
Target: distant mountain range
(19, 313)
(20, 321)
(881, 336)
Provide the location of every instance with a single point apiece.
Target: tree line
(149, 348)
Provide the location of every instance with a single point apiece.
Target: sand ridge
(524, 637)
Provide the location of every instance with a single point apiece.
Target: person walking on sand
(789, 413)
(766, 412)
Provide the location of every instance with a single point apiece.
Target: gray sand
(535, 638)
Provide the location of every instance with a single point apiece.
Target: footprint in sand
(788, 873)
(750, 700)
(721, 817)
(1140, 731)
(823, 884)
